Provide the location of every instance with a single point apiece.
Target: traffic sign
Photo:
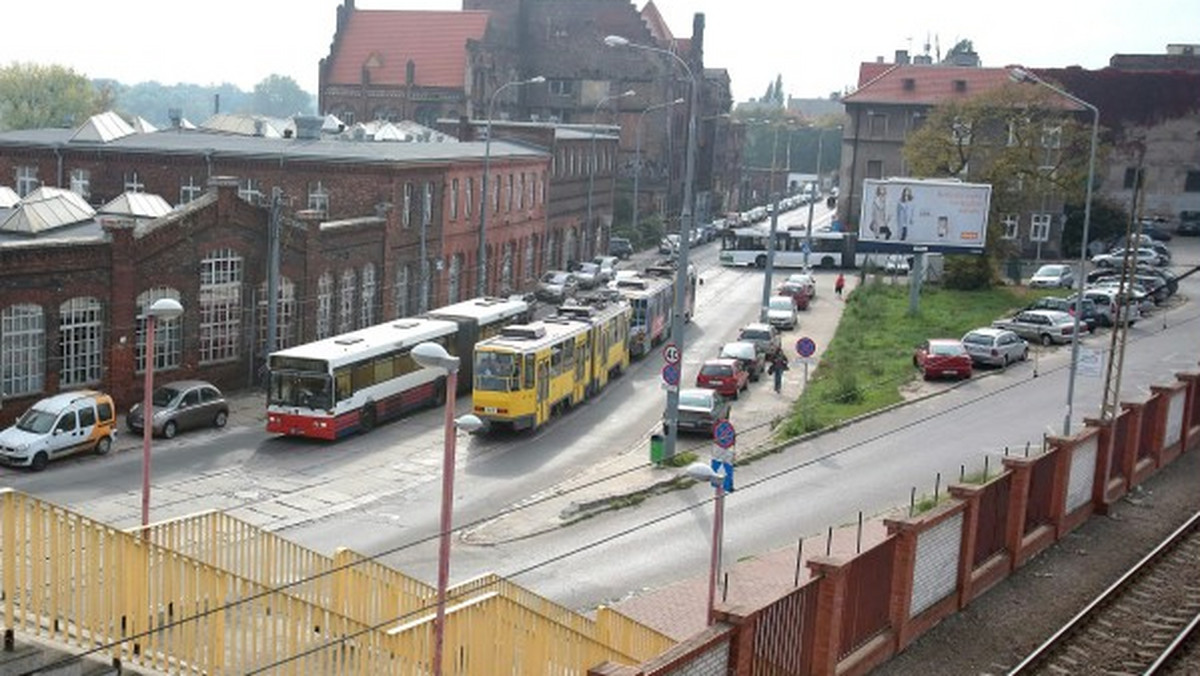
(671, 353)
(806, 347)
(726, 471)
(724, 434)
(670, 375)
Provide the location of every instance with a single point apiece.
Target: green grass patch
(870, 357)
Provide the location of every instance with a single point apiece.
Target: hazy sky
(816, 47)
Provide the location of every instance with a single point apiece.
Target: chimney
(216, 104)
(902, 56)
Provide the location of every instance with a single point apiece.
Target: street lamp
(433, 355)
(637, 154)
(163, 309)
(1018, 74)
(481, 283)
(685, 234)
(702, 472)
(587, 228)
(770, 271)
(817, 191)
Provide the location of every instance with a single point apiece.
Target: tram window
(529, 371)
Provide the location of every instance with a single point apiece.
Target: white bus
(747, 247)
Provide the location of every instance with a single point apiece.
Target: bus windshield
(497, 372)
(294, 389)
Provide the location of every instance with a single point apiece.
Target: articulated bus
(830, 248)
(333, 387)
(530, 373)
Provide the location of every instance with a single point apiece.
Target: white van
(60, 425)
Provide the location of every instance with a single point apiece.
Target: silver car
(182, 405)
(1044, 326)
(998, 347)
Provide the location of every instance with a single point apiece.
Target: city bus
(742, 247)
(330, 388)
(652, 298)
(532, 372)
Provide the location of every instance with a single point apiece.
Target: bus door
(583, 368)
(542, 402)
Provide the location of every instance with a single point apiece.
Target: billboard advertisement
(917, 212)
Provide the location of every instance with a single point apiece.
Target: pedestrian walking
(779, 364)
(839, 285)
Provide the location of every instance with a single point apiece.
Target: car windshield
(754, 334)
(716, 370)
(695, 399)
(554, 277)
(1049, 271)
(738, 351)
(38, 422)
(977, 339)
(288, 389)
(163, 396)
(946, 349)
(589, 268)
(784, 304)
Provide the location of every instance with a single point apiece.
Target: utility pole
(269, 345)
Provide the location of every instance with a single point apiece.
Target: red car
(723, 375)
(941, 357)
(799, 293)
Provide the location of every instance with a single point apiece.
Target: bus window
(529, 359)
(343, 384)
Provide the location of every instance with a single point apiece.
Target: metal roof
(138, 205)
(47, 209)
(8, 197)
(104, 127)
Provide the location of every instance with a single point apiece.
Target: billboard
(929, 212)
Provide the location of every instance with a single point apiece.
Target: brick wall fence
(856, 613)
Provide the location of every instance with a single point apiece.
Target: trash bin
(1014, 271)
(656, 448)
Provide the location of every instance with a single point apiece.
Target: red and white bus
(336, 386)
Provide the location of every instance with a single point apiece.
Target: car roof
(720, 361)
(757, 326)
(944, 341)
(188, 384)
(61, 399)
(1053, 314)
(988, 331)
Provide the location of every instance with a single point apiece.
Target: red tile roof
(920, 84)
(385, 41)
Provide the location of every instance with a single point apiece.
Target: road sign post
(724, 438)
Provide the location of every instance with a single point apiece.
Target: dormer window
(909, 84)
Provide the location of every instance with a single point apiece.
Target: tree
(34, 96)
(281, 96)
(779, 98)
(960, 47)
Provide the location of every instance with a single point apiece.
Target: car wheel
(1005, 364)
(40, 460)
(170, 429)
(760, 262)
(221, 418)
(1047, 340)
(104, 445)
(1025, 354)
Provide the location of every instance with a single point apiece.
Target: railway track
(1145, 623)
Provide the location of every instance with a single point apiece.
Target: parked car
(1189, 223)
(753, 358)
(1089, 320)
(942, 356)
(179, 406)
(1156, 229)
(620, 247)
(805, 279)
(1053, 277)
(1116, 258)
(60, 425)
(587, 275)
(699, 410)
(781, 312)
(555, 286)
(727, 376)
(1105, 304)
(669, 245)
(1129, 312)
(764, 336)
(1046, 327)
(608, 268)
(997, 347)
(799, 294)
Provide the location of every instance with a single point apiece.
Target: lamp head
(702, 472)
(616, 41)
(165, 308)
(536, 80)
(432, 355)
(677, 101)
(628, 92)
(468, 423)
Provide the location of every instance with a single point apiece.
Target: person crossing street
(779, 364)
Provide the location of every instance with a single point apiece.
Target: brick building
(369, 231)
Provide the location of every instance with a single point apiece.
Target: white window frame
(285, 314)
(400, 290)
(81, 341)
(324, 305)
(134, 182)
(1039, 227)
(454, 199)
(406, 215)
(318, 197)
(168, 334)
(22, 350)
(26, 180)
(81, 183)
(249, 189)
(346, 293)
(469, 189)
(1012, 226)
(427, 204)
(221, 274)
(366, 314)
(190, 191)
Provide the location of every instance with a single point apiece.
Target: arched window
(220, 306)
(366, 316)
(80, 339)
(346, 307)
(324, 306)
(400, 291)
(22, 350)
(406, 215)
(453, 284)
(506, 270)
(168, 336)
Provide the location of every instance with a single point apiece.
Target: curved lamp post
(702, 472)
(1021, 75)
(433, 355)
(637, 153)
(481, 282)
(592, 164)
(163, 309)
(685, 233)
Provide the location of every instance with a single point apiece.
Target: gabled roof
(104, 127)
(906, 84)
(382, 42)
(245, 125)
(143, 126)
(137, 205)
(656, 24)
(46, 209)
